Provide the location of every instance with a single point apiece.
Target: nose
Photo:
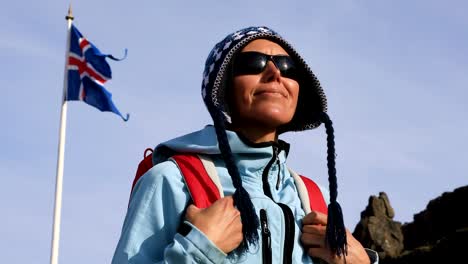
(271, 72)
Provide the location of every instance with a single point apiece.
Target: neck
(256, 135)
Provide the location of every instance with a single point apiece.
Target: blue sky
(394, 73)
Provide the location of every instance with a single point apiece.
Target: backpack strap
(198, 171)
(309, 193)
(145, 165)
(204, 186)
(202, 181)
(212, 172)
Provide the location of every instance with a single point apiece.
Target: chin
(274, 119)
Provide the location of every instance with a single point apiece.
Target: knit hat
(310, 113)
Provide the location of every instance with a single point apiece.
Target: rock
(449, 249)
(389, 210)
(377, 230)
(439, 234)
(441, 217)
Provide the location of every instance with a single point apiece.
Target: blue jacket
(158, 201)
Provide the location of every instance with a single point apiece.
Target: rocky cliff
(438, 234)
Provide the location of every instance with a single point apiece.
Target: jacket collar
(249, 155)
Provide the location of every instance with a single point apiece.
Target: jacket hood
(311, 101)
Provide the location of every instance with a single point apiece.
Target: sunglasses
(251, 62)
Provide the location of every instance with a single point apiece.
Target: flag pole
(61, 152)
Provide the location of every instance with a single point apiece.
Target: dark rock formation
(441, 217)
(439, 234)
(449, 249)
(377, 230)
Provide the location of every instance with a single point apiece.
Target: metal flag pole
(61, 152)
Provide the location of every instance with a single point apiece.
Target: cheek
(293, 89)
(243, 87)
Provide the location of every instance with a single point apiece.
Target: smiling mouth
(270, 93)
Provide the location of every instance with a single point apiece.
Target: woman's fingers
(315, 218)
(314, 229)
(312, 240)
(220, 222)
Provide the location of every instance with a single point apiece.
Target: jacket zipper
(266, 237)
(288, 215)
(266, 185)
(289, 236)
(278, 176)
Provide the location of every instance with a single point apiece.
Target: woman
(255, 87)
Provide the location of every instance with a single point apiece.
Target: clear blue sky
(395, 73)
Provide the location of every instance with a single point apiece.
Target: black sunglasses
(252, 62)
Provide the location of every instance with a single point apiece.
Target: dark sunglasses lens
(249, 63)
(255, 62)
(286, 66)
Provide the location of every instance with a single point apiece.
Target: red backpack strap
(200, 184)
(199, 174)
(317, 202)
(145, 165)
(310, 194)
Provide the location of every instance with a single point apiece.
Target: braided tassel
(336, 232)
(250, 222)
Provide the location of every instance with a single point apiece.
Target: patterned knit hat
(310, 113)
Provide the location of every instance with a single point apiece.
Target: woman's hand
(220, 222)
(313, 238)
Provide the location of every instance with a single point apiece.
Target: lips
(271, 91)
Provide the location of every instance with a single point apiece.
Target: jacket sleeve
(156, 209)
(373, 256)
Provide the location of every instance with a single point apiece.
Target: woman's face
(266, 99)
